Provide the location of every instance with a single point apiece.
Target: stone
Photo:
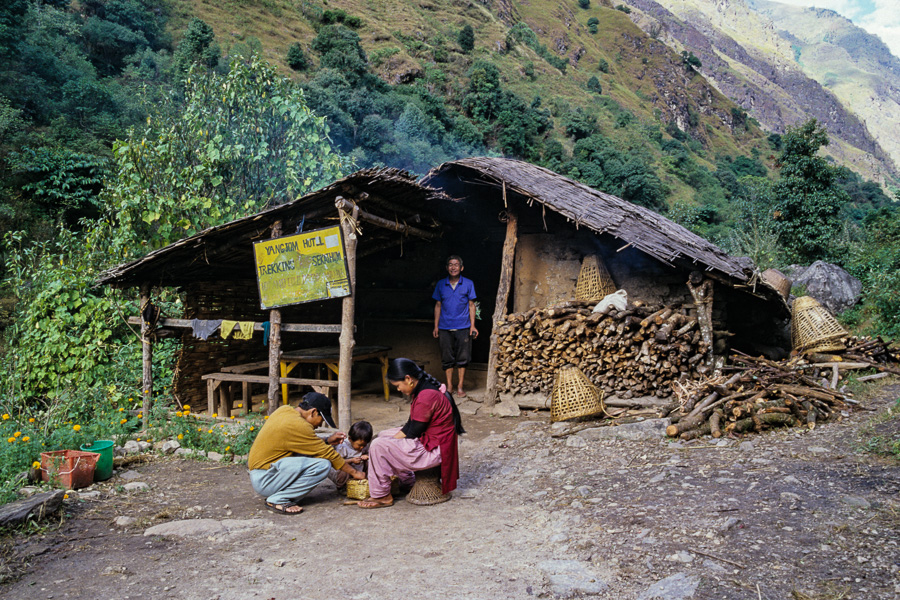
(89, 495)
(205, 527)
(856, 502)
(571, 578)
(506, 408)
(817, 450)
(214, 456)
(651, 429)
(129, 475)
(467, 407)
(675, 587)
(833, 287)
(144, 446)
(681, 556)
(28, 491)
(170, 446)
(189, 452)
(573, 441)
(746, 447)
(136, 486)
(34, 507)
(132, 447)
(125, 521)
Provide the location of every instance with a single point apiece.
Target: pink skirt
(392, 457)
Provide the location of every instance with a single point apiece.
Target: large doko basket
(777, 280)
(574, 396)
(594, 281)
(813, 328)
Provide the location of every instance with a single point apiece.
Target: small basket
(574, 396)
(594, 281)
(813, 328)
(358, 489)
(777, 280)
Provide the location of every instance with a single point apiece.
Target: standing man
(454, 321)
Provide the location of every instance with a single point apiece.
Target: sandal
(460, 393)
(374, 503)
(283, 508)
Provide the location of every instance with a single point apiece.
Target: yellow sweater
(285, 434)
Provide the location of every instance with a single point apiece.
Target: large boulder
(834, 288)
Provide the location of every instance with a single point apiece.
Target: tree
(242, 141)
(197, 46)
(296, 58)
(808, 199)
(466, 38)
(585, 4)
(593, 85)
(690, 62)
(592, 24)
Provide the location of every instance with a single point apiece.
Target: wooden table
(329, 356)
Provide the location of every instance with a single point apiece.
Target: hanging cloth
(246, 332)
(227, 328)
(204, 328)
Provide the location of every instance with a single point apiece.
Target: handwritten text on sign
(302, 268)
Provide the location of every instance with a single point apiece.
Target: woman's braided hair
(399, 368)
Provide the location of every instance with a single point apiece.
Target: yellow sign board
(301, 268)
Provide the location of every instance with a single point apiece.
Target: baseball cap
(321, 403)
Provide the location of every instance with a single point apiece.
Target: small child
(354, 449)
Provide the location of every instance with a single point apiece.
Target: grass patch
(882, 434)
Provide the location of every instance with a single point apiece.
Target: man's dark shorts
(456, 347)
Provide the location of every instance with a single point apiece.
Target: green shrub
(623, 8)
(603, 66)
(296, 57)
(466, 38)
(584, 4)
(593, 85)
(592, 24)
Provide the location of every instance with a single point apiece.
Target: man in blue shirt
(454, 321)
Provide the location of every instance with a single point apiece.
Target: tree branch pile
(756, 394)
(639, 351)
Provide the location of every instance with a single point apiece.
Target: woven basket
(777, 280)
(427, 488)
(594, 281)
(573, 396)
(358, 489)
(813, 328)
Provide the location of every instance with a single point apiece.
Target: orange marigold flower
(35, 465)
(76, 427)
(17, 434)
(31, 419)
(26, 438)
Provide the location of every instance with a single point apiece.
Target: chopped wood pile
(640, 351)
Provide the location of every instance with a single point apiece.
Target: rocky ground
(612, 512)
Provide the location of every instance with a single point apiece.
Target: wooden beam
(506, 269)
(146, 356)
(285, 327)
(386, 223)
(274, 345)
(348, 309)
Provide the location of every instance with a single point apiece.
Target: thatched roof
(225, 252)
(634, 225)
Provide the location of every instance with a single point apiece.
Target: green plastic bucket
(104, 448)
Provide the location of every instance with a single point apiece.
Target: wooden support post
(274, 345)
(702, 291)
(506, 269)
(348, 309)
(146, 356)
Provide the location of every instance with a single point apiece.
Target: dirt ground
(787, 514)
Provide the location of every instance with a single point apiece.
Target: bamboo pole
(274, 345)
(346, 340)
(146, 356)
(702, 292)
(506, 268)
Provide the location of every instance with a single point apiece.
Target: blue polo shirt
(454, 302)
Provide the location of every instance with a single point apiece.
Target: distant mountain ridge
(785, 64)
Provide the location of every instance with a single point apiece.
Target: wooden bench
(215, 381)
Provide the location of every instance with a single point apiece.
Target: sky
(881, 17)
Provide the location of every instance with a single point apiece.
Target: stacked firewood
(760, 395)
(639, 351)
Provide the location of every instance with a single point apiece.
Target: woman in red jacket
(428, 439)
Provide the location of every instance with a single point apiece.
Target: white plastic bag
(618, 300)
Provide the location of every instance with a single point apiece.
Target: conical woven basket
(777, 280)
(813, 328)
(573, 396)
(594, 281)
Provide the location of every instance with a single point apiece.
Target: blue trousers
(289, 479)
